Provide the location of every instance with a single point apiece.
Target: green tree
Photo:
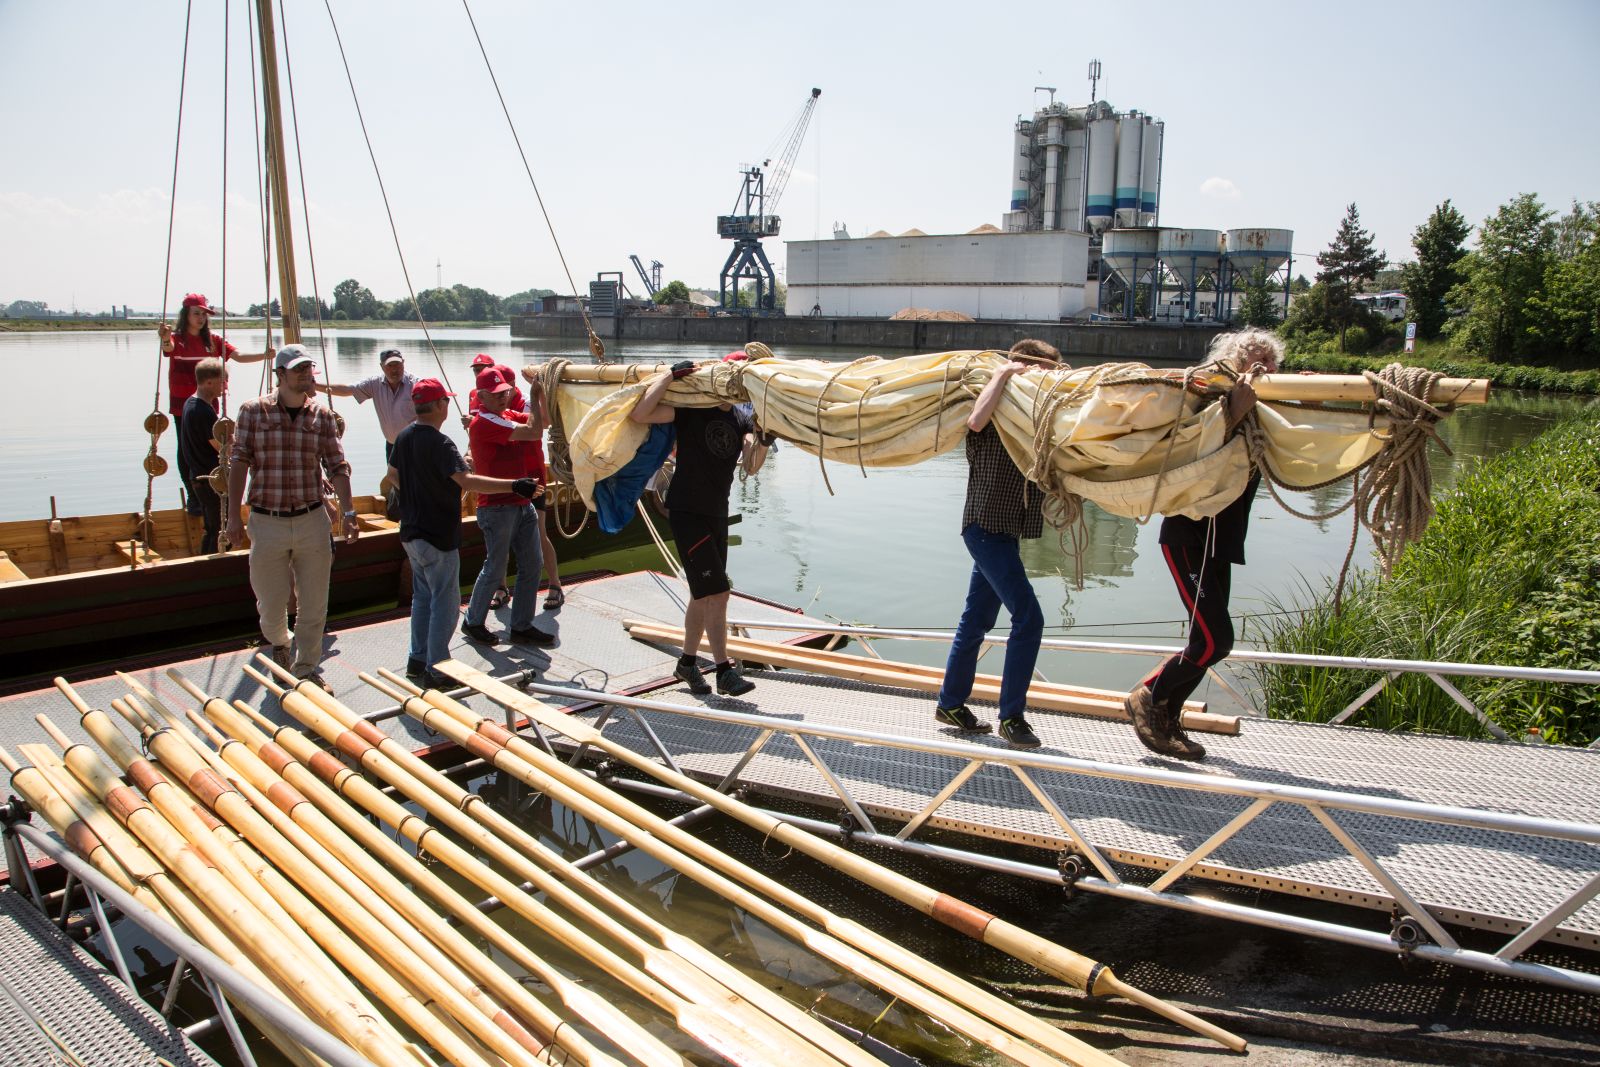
(1440, 243)
(310, 306)
(523, 300)
(1350, 261)
(258, 311)
(27, 309)
(354, 299)
(1565, 316)
(1257, 307)
(439, 305)
(478, 305)
(402, 310)
(674, 292)
(1500, 278)
(1300, 284)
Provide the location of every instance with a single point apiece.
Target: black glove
(683, 369)
(527, 487)
(767, 439)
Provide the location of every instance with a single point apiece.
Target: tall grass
(1508, 572)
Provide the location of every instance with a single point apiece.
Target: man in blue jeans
(502, 441)
(430, 474)
(1001, 508)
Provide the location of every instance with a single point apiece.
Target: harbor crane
(754, 217)
(652, 280)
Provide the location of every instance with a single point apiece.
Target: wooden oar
(725, 1026)
(243, 925)
(152, 890)
(923, 985)
(270, 782)
(1086, 974)
(1044, 695)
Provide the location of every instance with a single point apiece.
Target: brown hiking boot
(1149, 721)
(1179, 743)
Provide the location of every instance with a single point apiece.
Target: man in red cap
(186, 347)
(431, 475)
(510, 526)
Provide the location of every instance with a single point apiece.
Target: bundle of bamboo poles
(270, 850)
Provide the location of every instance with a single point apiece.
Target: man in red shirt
(498, 441)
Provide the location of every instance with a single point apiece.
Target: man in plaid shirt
(282, 444)
(1001, 509)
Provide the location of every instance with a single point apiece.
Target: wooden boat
(71, 584)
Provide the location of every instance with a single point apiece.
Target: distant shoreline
(64, 325)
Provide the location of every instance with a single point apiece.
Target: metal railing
(216, 974)
(1389, 668)
(1415, 929)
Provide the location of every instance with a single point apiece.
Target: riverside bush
(1501, 375)
(1508, 572)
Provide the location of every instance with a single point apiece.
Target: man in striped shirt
(282, 445)
(1001, 509)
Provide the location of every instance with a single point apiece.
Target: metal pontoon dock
(1445, 833)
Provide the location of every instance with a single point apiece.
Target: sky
(638, 118)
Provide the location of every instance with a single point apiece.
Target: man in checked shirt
(282, 444)
(1001, 508)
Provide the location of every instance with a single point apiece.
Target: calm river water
(883, 549)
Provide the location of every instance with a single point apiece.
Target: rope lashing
(822, 398)
(1397, 501)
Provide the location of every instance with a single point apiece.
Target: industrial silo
(1130, 254)
(1021, 150)
(1251, 247)
(1102, 173)
(1129, 154)
(1054, 127)
(1150, 173)
(1190, 255)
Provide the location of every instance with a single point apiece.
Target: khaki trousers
(292, 555)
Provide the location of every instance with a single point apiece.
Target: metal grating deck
(1489, 880)
(94, 1014)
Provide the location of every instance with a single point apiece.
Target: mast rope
(596, 347)
(156, 422)
(394, 231)
(305, 206)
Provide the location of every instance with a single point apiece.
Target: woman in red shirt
(186, 347)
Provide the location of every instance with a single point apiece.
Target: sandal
(554, 599)
(501, 598)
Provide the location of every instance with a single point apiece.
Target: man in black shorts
(711, 443)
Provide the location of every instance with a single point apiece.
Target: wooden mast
(278, 176)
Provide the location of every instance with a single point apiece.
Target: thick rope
(596, 347)
(394, 231)
(1397, 501)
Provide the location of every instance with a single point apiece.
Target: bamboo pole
(267, 780)
(925, 986)
(1303, 388)
(433, 981)
(242, 925)
(1046, 695)
(703, 1012)
(152, 889)
(1086, 974)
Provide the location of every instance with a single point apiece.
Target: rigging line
(262, 196)
(305, 201)
(227, 43)
(595, 345)
(172, 197)
(394, 231)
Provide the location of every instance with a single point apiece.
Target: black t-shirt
(194, 437)
(430, 499)
(709, 443)
(1233, 522)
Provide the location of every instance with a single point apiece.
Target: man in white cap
(390, 393)
(282, 445)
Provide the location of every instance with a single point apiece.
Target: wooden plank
(9, 571)
(1046, 696)
(376, 522)
(135, 552)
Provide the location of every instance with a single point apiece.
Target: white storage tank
(1150, 173)
(1129, 153)
(1102, 173)
(1054, 128)
(1257, 246)
(1130, 253)
(1190, 254)
(1019, 170)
